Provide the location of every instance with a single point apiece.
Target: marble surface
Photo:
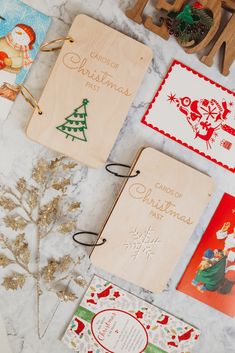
(96, 190)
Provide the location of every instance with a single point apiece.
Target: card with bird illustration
(110, 319)
(22, 30)
(196, 112)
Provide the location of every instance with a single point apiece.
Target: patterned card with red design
(210, 275)
(110, 319)
(196, 112)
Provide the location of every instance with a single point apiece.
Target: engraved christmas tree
(76, 123)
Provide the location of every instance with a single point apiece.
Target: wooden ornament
(227, 38)
(152, 219)
(89, 92)
(162, 29)
(215, 7)
(136, 12)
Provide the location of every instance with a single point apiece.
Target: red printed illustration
(204, 116)
(14, 56)
(210, 275)
(196, 112)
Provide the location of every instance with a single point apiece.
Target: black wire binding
(88, 244)
(120, 175)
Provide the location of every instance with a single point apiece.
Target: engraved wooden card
(152, 220)
(89, 92)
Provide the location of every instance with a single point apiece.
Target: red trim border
(143, 120)
(122, 311)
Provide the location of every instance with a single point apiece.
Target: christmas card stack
(152, 219)
(22, 30)
(89, 92)
(109, 319)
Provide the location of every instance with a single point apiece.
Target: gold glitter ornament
(7, 203)
(60, 185)
(64, 263)
(4, 261)
(33, 208)
(15, 223)
(21, 185)
(67, 227)
(49, 271)
(15, 281)
(33, 198)
(80, 281)
(66, 296)
(74, 206)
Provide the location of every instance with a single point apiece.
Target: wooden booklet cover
(152, 220)
(89, 92)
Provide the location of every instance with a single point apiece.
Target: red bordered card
(196, 112)
(210, 275)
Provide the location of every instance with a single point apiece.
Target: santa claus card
(89, 92)
(154, 215)
(109, 319)
(210, 275)
(197, 113)
(22, 30)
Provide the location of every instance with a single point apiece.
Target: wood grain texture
(226, 39)
(144, 240)
(136, 12)
(101, 65)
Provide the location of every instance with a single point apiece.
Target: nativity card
(196, 112)
(22, 30)
(210, 275)
(110, 319)
(155, 214)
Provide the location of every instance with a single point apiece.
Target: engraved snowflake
(142, 243)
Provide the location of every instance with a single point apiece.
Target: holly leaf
(7, 203)
(33, 198)
(15, 223)
(21, 185)
(5, 261)
(69, 166)
(74, 206)
(20, 248)
(67, 227)
(66, 296)
(61, 184)
(15, 281)
(55, 163)
(48, 212)
(39, 172)
(64, 263)
(48, 272)
(80, 281)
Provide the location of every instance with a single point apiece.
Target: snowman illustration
(14, 55)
